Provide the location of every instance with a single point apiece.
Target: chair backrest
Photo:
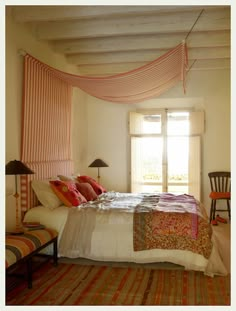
(220, 181)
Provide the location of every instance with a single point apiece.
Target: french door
(164, 156)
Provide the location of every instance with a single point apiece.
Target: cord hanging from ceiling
(199, 15)
(194, 24)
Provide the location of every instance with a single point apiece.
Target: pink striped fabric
(137, 85)
(46, 127)
(46, 118)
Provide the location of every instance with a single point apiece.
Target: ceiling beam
(39, 13)
(140, 56)
(112, 69)
(153, 24)
(132, 43)
(211, 64)
(102, 40)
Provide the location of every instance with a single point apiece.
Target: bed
(140, 228)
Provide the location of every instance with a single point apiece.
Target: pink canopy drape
(137, 85)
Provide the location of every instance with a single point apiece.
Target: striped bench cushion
(19, 246)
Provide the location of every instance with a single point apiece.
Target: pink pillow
(67, 192)
(87, 191)
(96, 186)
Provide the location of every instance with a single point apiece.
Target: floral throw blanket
(175, 223)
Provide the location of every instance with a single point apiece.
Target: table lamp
(17, 168)
(98, 163)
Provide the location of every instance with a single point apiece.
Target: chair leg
(214, 209)
(228, 206)
(29, 272)
(211, 211)
(55, 252)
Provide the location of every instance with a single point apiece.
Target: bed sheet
(52, 218)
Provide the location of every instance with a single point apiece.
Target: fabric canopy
(137, 85)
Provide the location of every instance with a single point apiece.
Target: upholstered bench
(21, 248)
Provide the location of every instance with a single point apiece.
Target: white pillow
(67, 178)
(45, 194)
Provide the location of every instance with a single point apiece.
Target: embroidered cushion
(99, 189)
(87, 191)
(67, 192)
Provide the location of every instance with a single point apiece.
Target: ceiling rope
(199, 15)
(191, 65)
(194, 24)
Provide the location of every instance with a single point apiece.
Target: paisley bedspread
(175, 223)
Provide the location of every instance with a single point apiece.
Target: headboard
(46, 127)
(42, 170)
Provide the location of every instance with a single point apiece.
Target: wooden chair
(220, 190)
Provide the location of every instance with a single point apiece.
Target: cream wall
(108, 128)
(19, 37)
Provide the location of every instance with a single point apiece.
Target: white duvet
(108, 236)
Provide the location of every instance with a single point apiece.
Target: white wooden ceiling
(105, 40)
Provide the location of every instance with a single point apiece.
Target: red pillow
(67, 192)
(87, 191)
(96, 186)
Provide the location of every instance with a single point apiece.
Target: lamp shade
(98, 163)
(17, 168)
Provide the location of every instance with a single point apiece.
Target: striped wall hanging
(46, 127)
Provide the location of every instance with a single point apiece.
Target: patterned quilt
(175, 223)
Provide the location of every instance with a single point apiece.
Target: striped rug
(73, 284)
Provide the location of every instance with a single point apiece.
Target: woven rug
(73, 284)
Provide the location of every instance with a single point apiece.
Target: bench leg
(55, 252)
(29, 272)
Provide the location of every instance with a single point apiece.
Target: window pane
(178, 123)
(152, 159)
(146, 163)
(152, 124)
(140, 124)
(150, 189)
(177, 189)
(178, 150)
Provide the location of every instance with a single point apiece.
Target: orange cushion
(67, 192)
(219, 195)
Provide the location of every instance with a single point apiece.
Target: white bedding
(52, 218)
(107, 236)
